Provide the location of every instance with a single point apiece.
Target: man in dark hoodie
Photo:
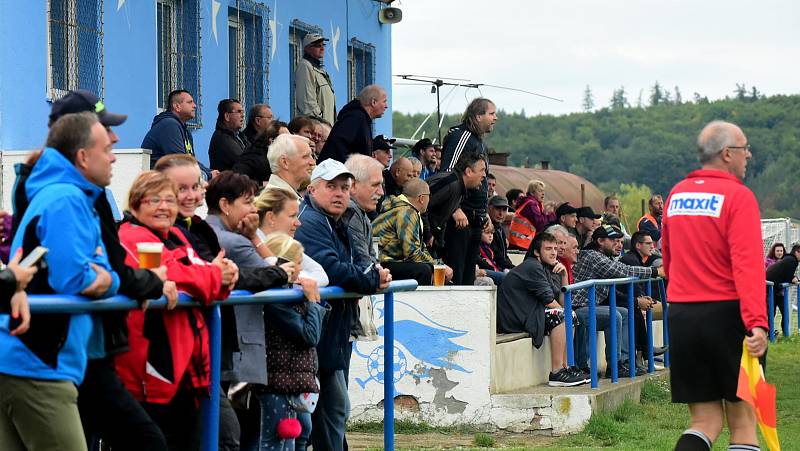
(352, 132)
(169, 133)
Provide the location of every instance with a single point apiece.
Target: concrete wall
(130, 60)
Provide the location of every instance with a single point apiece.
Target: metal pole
(569, 326)
(438, 114)
(771, 312)
(210, 406)
(592, 336)
(664, 306)
(786, 312)
(388, 371)
(611, 338)
(631, 334)
(651, 365)
(798, 309)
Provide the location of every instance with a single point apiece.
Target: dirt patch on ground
(437, 440)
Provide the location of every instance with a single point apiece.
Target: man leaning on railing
(595, 262)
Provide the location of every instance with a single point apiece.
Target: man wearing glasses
(712, 252)
(313, 90)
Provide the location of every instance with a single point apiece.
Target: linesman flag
(754, 390)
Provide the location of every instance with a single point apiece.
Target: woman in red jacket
(167, 366)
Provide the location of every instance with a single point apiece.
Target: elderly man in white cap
(313, 90)
(325, 237)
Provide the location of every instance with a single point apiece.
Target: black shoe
(660, 350)
(623, 370)
(587, 377)
(565, 378)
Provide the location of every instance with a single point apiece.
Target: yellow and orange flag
(754, 390)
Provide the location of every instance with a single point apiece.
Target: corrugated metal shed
(561, 186)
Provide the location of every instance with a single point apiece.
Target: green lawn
(656, 423)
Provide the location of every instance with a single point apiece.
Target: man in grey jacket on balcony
(313, 90)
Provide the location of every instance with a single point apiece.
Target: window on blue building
(248, 65)
(178, 28)
(75, 46)
(297, 31)
(360, 66)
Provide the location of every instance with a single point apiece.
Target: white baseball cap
(329, 170)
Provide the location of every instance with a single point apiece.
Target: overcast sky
(558, 47)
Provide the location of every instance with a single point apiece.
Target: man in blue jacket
(40, 370)
(324, 215)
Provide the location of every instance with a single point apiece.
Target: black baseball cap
(423, 143)
(498, 201)
(587, 212)
(606, 231)
(80, 100)
(565, 209)
(381, 142)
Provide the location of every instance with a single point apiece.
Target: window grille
(75, 47)
(360, 66)
(297, 31)
(248, 41)
(178, 28)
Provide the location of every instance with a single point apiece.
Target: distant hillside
(652, 146)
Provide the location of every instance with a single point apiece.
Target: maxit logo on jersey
(695, 204)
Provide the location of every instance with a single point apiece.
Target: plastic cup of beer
(438, 275)
(149, 255)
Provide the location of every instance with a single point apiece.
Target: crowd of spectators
(314, 202)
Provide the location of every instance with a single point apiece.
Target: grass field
(655, 424)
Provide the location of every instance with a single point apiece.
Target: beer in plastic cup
(438, 275)
(149, 254)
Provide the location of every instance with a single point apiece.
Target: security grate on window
(297, 31)
(248, 41)
(360, 66)
(75, 47)
(179, 58)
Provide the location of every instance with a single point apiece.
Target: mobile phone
(34, 257)
(281, 261)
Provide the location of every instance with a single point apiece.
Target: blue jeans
(274, 408)
(333, 409)
(582, 334)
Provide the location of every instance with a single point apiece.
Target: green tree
(619, 99)
(588, 99)
(656, 95)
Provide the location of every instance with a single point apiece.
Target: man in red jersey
(712, 257)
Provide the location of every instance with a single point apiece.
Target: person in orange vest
(651, 222)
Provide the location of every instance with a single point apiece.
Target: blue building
(134, 52)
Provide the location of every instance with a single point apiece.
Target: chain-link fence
(248, 41)
(75, 46)
(178, 27)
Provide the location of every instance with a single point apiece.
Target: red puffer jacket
(169, 349)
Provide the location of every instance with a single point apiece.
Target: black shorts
(705, 349)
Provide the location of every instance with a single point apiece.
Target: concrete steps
(546, 410)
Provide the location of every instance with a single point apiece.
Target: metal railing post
(786, 312)
(569, 326)
(664, 306)
(388, 371)
(593, 335)
(631, 336)
(798, 309)
(771, 312)
(611, 338)
(210, 406)
(651, 365)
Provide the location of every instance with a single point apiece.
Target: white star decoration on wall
(334, 44)
(214, 12)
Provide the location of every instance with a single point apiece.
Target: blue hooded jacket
(60, 217)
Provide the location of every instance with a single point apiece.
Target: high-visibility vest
(647, 216)
(522, 231)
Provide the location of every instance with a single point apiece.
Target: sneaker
(586, 375)
(565, 378)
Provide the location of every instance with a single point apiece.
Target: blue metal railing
(786, 316)
(210, 407)
(591, 287)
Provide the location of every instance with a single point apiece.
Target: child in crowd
(486, 263)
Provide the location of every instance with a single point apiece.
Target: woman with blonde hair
(277, 211)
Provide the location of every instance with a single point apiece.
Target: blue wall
(130, 61)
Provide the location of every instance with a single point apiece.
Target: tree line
(650, 148)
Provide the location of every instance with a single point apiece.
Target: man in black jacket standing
(464, 227)
(352, 132)
(227, 143)
(781, 272)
